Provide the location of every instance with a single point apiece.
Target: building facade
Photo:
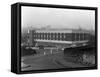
(58, 36)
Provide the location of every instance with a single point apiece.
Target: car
(41, 47)
(25, 51)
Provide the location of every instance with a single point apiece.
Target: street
(46, 60)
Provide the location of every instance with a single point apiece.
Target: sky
(38, 17)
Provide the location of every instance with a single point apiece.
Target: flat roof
(61, 31)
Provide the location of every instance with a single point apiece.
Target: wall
(5, 39)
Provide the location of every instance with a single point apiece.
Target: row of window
(61, 36)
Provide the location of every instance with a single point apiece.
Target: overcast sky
(57, 18)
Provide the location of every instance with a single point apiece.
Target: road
(48, 60)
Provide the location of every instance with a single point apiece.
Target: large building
(58, 37)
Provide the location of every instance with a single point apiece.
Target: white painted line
(51, 51)
(44, 53)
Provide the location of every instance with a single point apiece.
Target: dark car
(27, 51)
(41, 47)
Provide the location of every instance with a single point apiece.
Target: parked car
(27, 51)
(41, 47)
